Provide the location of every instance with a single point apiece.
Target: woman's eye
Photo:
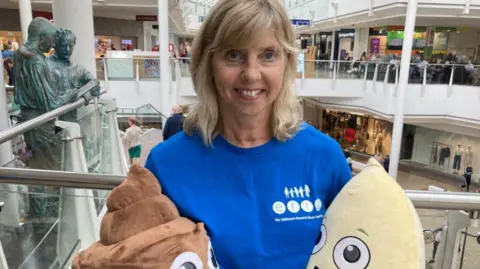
(269, 56)
(321, 240)
(233, 55)
(351, 253)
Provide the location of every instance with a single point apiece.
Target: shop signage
(298, 22)
(146, 18)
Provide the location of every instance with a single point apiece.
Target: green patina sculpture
(67, 75)
(39, 90)
(37, 94)
(41, 86)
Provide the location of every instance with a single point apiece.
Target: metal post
(447, 250)
(402, 87)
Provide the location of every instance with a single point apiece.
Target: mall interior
(394, 80)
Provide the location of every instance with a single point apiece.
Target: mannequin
(457, 159)
(467, 156)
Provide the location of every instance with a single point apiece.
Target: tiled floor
(431, 219)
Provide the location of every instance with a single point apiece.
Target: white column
(165, 76)
(77, 16)
(356, 41)
(25, 8)
(402, 87)
(332, 49)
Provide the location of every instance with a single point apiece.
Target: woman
(258, 177)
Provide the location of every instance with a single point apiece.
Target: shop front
(445, 151)
(358, 132)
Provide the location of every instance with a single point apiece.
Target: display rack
(440, 155)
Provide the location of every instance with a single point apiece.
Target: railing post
(365, 77)
(119, 163)
(387, 75)
(78, 215)
(334, 76)
(105, 74)
(375, 74)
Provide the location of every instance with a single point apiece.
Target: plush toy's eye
(212, 260)
(351, 253)
(321, 240)
(187, 260)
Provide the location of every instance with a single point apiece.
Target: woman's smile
(250, 94)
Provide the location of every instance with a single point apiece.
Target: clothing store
(359, 132)
(445, 151)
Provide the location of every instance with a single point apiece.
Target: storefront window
(445, 151)
(359, 133)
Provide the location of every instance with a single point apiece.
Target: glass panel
(148, 68)
(100, 65)
(184, 67)
(120, 68)
(44, 240)
(382, 72)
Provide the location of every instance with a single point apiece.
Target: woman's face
(249, 80)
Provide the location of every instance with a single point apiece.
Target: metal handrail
(420, 199)
(17, 130)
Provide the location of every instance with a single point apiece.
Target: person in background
(468, 176)
(7, 51)
(174, 123)
(252, 164)
(386, 163)
(349, 159)
(132, 141)
(8, 65)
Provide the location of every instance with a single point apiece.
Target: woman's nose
(251, 72)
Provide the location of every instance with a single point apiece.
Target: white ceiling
(117, 9)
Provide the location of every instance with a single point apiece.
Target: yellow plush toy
(370, 224)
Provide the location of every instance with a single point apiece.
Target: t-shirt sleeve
(340, 173)
(149, 165)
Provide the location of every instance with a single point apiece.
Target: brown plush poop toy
(143, 229)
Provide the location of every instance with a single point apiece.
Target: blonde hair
(234, 23)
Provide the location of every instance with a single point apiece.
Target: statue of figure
(37, 94)
(68, 75)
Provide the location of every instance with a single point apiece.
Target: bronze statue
(38, 94)
(67, 75)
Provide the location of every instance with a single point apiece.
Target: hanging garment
(350, 135)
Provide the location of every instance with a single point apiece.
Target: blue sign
(301, 22)
(201, 18)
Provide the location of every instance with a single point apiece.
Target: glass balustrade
(43, 226)
(139, 69)
(50, 238)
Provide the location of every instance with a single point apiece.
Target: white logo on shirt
(298, 201)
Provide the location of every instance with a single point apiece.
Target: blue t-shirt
(262, 207)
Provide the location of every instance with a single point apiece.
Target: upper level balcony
(358, 14)
(440, 94)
